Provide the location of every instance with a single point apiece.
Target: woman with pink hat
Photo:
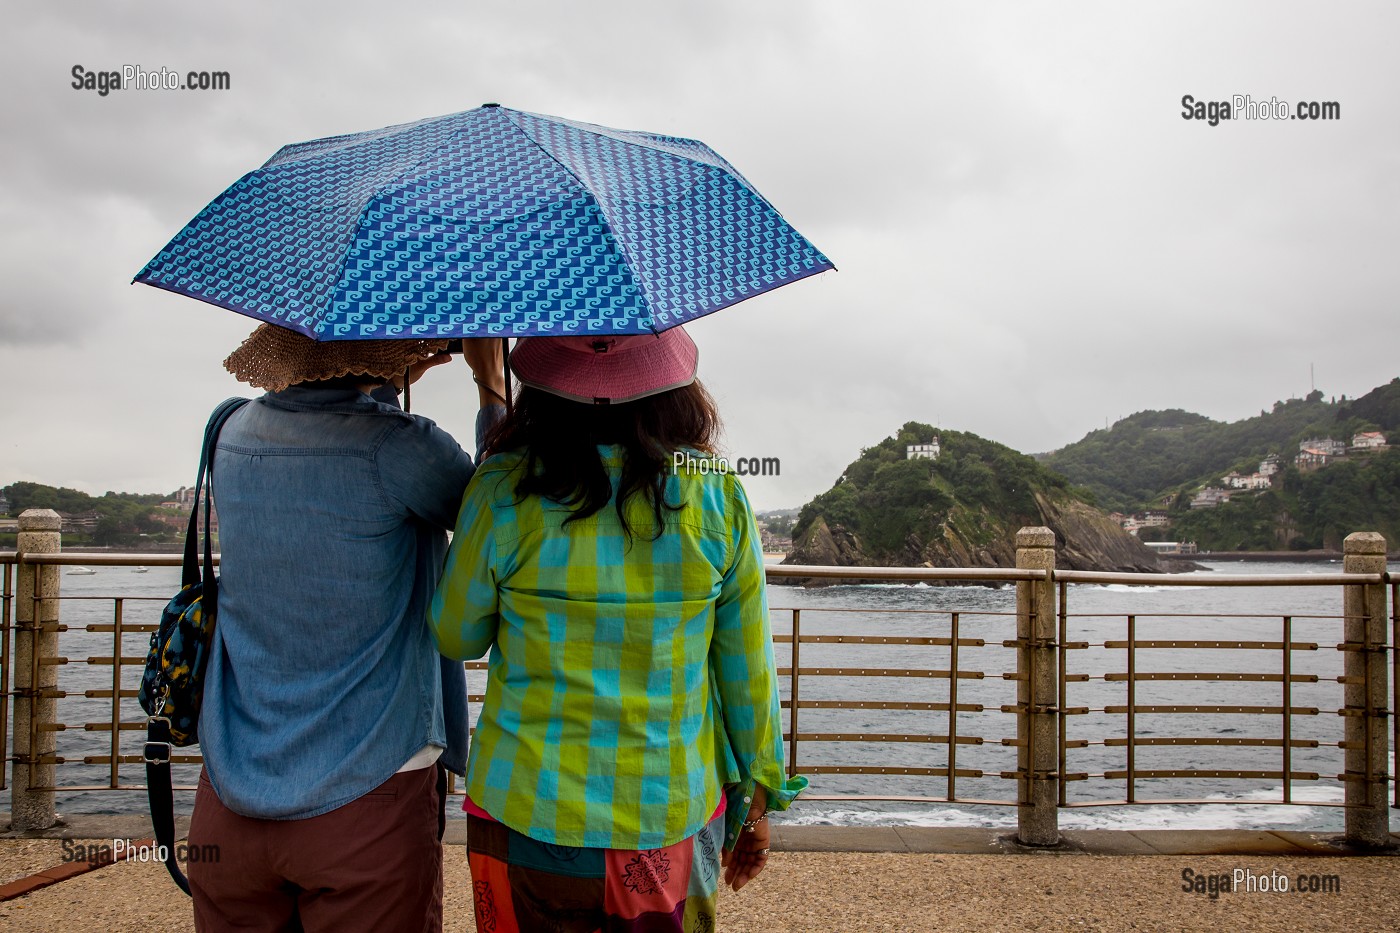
(631, 687)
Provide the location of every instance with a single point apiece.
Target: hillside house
(1209, 498)
(927, 451)
(1269, 465)
(78, 522)
(1325, 445)
(1252, 481)
(1368, 440)
(1153, 518)
(171, 516)
(1311, 458)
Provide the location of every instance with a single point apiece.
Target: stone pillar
(1366, 694)
(34, 638)
(1037, 727)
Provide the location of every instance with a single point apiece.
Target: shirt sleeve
(741, 656)
(424, 470)
(466, 607)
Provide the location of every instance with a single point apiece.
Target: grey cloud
(1030, 237)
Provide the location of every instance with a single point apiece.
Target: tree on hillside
(1379, 408)
(122, 517)
(24, 496)
(1149, 454)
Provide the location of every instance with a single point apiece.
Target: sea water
(1096, 614)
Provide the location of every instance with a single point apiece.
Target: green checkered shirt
(628, 680)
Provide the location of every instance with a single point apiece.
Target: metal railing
(1132, 645)
(935, 708)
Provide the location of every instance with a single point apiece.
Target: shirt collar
(320, 398)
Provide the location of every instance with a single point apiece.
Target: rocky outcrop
(1086, 539)
(826, 548)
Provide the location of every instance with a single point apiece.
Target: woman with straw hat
(328, 715)
(631, 678)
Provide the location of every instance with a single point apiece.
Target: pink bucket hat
(606, 368)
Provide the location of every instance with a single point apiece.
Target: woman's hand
(750, 853)
(418, 369)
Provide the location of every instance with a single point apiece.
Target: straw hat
(605, 368)
(273, 358)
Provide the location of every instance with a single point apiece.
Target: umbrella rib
(641, 292)
(388, 185)
(379, 192)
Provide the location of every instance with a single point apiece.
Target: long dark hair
(560, 441)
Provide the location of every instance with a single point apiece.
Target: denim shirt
(323, 677)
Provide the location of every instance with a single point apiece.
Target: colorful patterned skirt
(521, 884)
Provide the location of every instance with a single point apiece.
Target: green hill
(1158, 459)
(1154, 454)
(1379, 408)
(962, 509)
(1148, 458)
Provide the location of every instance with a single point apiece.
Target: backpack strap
(190, 574)
(159, 745)
(161, 795)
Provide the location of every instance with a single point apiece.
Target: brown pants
(374, 864)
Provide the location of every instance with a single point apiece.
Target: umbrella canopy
(491, 222)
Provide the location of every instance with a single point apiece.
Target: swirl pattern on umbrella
(491, 222)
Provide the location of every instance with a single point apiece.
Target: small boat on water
(82, 572)
(140, 570)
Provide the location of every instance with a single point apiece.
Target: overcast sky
(1030, 237)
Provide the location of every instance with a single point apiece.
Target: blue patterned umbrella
(491, 222)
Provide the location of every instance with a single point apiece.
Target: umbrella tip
(490, 105)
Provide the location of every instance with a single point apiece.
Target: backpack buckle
(157, 753)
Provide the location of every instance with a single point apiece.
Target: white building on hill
(1252, 481)
(928, 451)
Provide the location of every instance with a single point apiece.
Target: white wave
(1247, 809)
(805, 815)
(1318, 793)
(1129, 588)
